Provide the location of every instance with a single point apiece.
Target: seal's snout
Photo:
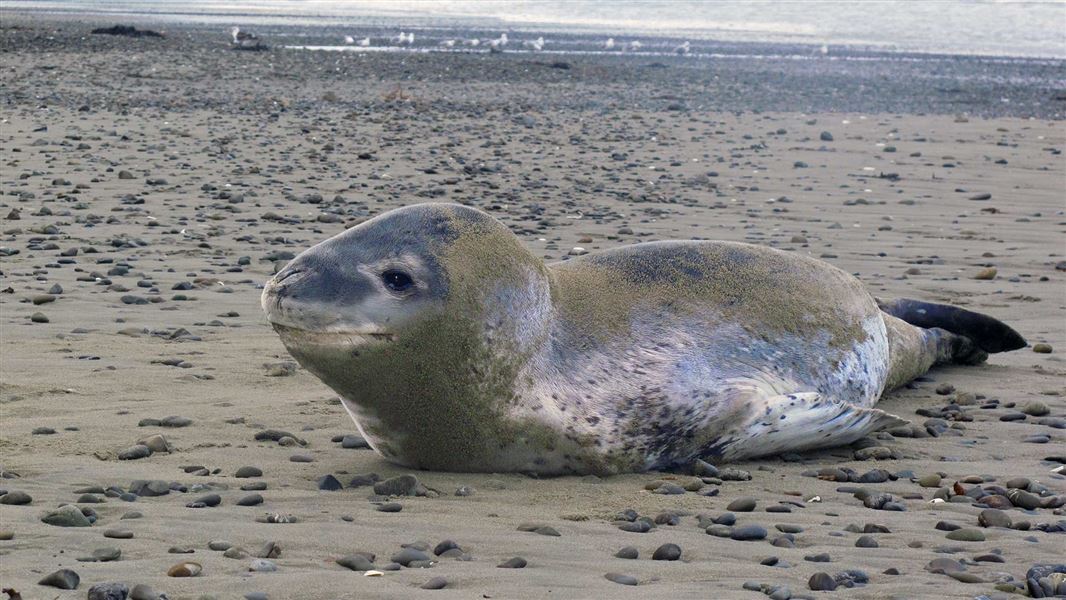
(280, 287)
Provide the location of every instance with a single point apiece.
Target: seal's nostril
(288, 274)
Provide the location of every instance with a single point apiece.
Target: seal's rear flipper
(990, 335)
(801, 421)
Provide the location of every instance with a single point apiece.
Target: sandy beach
(150, 187)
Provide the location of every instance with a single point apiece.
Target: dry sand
(218, 171)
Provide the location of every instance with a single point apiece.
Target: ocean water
(965, 27)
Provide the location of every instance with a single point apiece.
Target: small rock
(621, 579)
(746, 504)
(437, 583)
(822, 582)
(628, 552)
(16, 498)
(966, 535)
(108, 591)
(185, 569)
(64, 579)
(749, 533)
(403, 485)
(667, 552)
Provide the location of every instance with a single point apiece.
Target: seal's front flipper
(794, 422)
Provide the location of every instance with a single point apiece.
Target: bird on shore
(349, 40)
(535, 45)
(472, 42)
(609, 44)
(448, 43)
(635, 45)
(682, 49)
(364, 42)
(244, 39)
(404, 39)
(497, 44)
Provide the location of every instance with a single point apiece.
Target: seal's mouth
(349, 338)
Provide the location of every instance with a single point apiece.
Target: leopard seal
(454, 348)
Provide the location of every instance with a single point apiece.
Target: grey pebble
(250, 500)
(64, 579)
(108, 591)
(513, 563)
(437, 583)
(667, 552)
(749, 533)
(621, 579)
(822, 582)
(628, 552)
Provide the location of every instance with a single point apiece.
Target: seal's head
(421, 319)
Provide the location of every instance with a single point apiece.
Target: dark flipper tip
(990, 335)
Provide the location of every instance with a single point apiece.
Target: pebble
(66, 516)
(746, 504)
(16, 498)
(206, 501)
(108, 591)
(627, 552)
(354, 442)
(262, 565)
(513, 563)
(143, 592)
(357, 562)
(621, 579)
(245, 472)
(945, 566)
(409, 554)
(185, 569)
(250, 500)
(991, 517)
(63, 579)
(219, 545)
(1042, 348)
(437, 583)
(236, 552)
(390, 507)
(667, 552)
(822, 582)
(118, 534)
(329, 483)
(866, 542)
(102, 555)
(135, 452)
(929, 481)
(1036, 408)
(403, 485)
(966, 535)
(749, 533)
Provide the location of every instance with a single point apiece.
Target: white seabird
(609, 44)
(682, 49)
(535, 45)
(244, 39)
(497, 44)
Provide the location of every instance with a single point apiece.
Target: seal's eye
(397, 281)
